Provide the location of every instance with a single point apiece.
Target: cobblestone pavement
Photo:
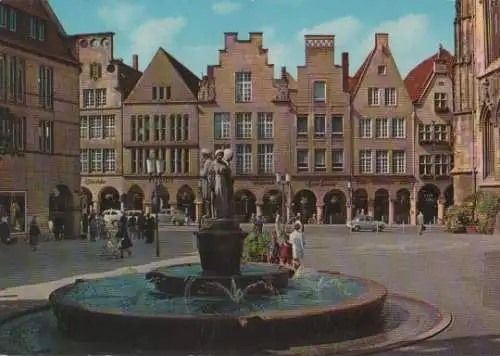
(460, 273)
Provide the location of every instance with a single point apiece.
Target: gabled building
(244, 107)
(105, 81)
(160, 120)
(39, 119)
(383, 144)
(430, 86)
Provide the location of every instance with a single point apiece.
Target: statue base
(220, 246)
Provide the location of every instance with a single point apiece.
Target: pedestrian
(259, 225)
(297, 241)
(141, 226)
(150, 229)
(420, 223)
(132, 227)
(34, 233)
(85, 226)
(123, 237)
(273, 255)
(286, 251)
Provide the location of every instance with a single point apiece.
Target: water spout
(236, 295)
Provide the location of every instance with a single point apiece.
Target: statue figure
(206, 164)
(221, 184)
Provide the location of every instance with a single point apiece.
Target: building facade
(38, 118)
(105, 82)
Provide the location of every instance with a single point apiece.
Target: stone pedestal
(220, 246)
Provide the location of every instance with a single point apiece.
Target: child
(286, 253)
(273, 256)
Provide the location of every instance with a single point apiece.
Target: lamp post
(156, 169)
(284, 180)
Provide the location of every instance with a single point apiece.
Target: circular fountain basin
(119, 308)
(189, 279)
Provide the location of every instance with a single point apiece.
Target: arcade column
(371, 207)
(392, 205)
(440, 206)
(413, 212)
(198, 210)
(258, 208)
(319, 214)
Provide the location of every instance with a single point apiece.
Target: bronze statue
(206, 194)
(221, 184)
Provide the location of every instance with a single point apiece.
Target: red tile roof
(417, 79)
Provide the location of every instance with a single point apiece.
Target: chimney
(135, 61)
(345, 72)
(319, 48)
(283, 73)
(381, 40)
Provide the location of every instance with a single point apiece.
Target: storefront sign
(90, 181)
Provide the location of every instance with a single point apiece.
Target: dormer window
(8, 18)
(382, 69)
(37, 28)
(95, 70)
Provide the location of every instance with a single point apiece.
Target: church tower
(464, 102)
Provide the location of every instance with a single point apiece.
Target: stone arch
(61, 211)
(360, 202)
(86, 200)
(186, 199)
(448, 196)
(381, 205)
(402, 206)
(245, 204)
(427, 202)
(134, 199)
(304, 202)
(488, 141)
(272, 204)
(334, 211)
(109, 198)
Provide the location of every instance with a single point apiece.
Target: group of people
(290, 251)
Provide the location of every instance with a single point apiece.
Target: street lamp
(156, 169)
(284, 180)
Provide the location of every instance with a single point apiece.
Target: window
(365, 162)
(320, 160)
(84, 161)
(95, 127)
(168, 92)
(319, 91)
(84, 127)
(3, 76)
(17, 79)
(162, 93)
(109, 158)
(138, 160)
(179, 160)
(95, 70)
(265, 158)
(441, 133)
(96, 160)
(160, 127)
(221, 125)
(46, 87)
(390, 98)
(46, 136)
(94, 97)
(154, 93)
(337, 125)
(398, 127)
(302, 129)
(14, 130)
(37, 28)
(243, 124)
(382, 162)
(100, 97)
(365, 127)
(185, 127)
(337, 159)
(145, 128)
(442, 165)
(440, 101)
(319, 125)
(382, 128)
(265, 125)
(382, 70)
(8, 18)
(373, 96)
(179, 127)
(108, 126)
(425, 165)
(302, 160)
(243, 87)
(398, 162)
(243, 159)
(424, 133)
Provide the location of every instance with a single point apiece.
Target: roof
(419, 77)
(191, 80)
(128, 78)
(358, 76)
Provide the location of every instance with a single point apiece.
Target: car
(111, 216)
(130, 213)
(172, 216)
(365, 223)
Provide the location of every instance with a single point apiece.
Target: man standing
(420, 223)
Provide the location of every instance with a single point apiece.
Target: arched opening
(360, 202)
(448, 196)
(402, 207)
(488, 145)
(61, 211)
(109, 198)
(86, 200)
(186, 201)
(335, 211)
(428, 202)
(381, 205)
(135, 198)
(304, 203)
(272, 203)
(244, 204)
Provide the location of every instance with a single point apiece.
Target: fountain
(222, 303)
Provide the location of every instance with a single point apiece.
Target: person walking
(297, 241)
(34, 233)
(420, 223)
(124, 243)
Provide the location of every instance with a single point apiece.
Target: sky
(193, 31)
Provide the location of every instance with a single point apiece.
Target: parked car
(365, 223)
(111, 216)
(130, 213)
(172, 216)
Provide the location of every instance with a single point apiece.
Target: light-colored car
(365, 223)
(172, 216)
(130, 213)
(111, 216)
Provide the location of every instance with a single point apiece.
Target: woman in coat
(34, 233)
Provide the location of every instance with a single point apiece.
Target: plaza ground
(460, 273)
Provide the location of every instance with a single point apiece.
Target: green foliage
(256, 247)
(457, 218)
